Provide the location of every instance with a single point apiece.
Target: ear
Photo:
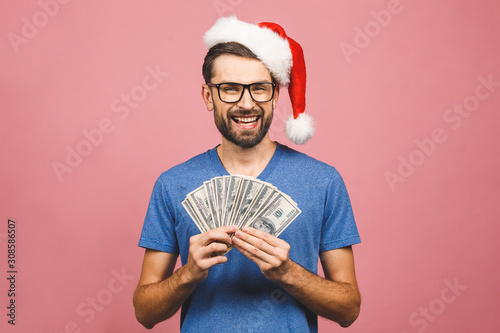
(276, 96)
(206, 94)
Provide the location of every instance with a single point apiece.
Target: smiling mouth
(245, 120)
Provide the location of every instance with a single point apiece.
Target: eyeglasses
(231, 92)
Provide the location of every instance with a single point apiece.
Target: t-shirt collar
(219, 168)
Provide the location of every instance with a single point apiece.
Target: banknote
(200, 202)
(189, 208)
(241, 201)
(276, 216)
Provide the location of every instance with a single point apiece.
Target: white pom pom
(301, 129)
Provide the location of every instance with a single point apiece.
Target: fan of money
(241, 201)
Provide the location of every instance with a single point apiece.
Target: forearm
(336, 297)
(336, 301)
(156, 302)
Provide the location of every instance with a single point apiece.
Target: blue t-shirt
(236, 297)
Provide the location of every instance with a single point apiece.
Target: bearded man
(269, 283)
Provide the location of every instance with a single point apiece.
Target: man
(267, 284)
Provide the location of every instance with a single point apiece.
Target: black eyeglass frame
(245, 86)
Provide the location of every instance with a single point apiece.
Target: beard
(243, 138)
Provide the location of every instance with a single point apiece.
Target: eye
(230, 88)
(259, 88)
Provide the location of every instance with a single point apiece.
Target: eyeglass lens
(233, 92)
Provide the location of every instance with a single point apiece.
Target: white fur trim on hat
(299, 129)
(268, 46)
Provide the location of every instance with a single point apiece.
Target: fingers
(248, 241)
(268, 238)
(261, 247)
(204, 250)
(213, 249)
(262, 239)
(262, 259)
(267, 251)
(205, 263)
(215, 235)
(212, 242)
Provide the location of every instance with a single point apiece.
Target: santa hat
(281, 55)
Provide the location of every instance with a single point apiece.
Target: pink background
(433, 224)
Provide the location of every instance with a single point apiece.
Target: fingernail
(235, 240)
(238, 233)
(233, 227)
(245, 229)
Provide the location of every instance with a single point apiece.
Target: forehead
(231, 68)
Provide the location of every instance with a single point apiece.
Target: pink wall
(402, 108)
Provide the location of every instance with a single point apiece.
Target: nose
(246, 101)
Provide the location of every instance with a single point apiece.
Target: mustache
(245, 112)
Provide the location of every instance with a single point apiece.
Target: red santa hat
(281, 55)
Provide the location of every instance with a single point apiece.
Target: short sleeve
(339, 228)
(158, 231)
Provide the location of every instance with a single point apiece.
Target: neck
(246, 161)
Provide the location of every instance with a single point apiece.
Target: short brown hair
(219, 49)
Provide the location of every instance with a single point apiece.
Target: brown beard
(241, 139)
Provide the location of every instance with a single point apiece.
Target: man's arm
(160, 293)
(336, 297)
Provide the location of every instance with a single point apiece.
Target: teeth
(246, 119)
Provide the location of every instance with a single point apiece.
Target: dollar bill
(233, 188)
(242, 201)
(218, 184)
(263, 197)
(199, 202)
(276, 216)
(189, 208)
(209, 189)
(247, 197)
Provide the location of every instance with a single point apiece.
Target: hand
(203, 250)
(268, 252)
